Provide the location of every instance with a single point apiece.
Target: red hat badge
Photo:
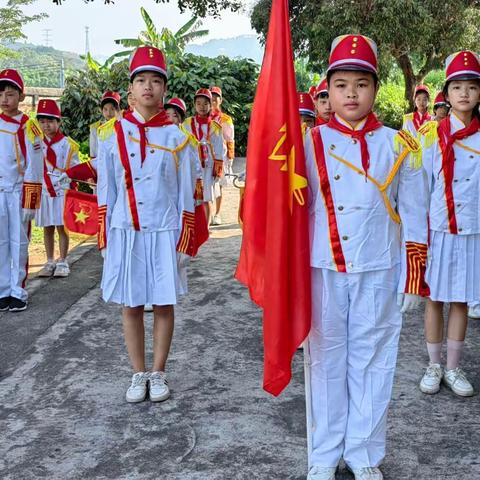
(422, 88)
(440, 99)
(177, 103)
(216, 91)
(322, 87)
(305, 104)
(353, 52)
(203, 92)
(12, 76)
(49, 108)
(148, 59)
(464, 65)
(109, 95)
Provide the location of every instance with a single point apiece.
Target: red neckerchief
(371, 124)
(217, 116)
(51, 155)
(20, 131)
(446, 140)
(158, 120)
(419, 120)
(197, 131)
(320, 121)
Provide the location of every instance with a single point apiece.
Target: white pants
(14, 238)
(350, 359)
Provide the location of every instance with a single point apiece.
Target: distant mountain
(244, 46)
(39, 65)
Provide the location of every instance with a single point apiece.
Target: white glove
(408, 302)
(183, 260)
(28, 214)
(103, 253)
(64, 180)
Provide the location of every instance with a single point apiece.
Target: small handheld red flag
(80, 213)
(275, 256)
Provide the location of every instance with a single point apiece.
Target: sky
(121, 20)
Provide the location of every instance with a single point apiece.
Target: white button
(350, 265)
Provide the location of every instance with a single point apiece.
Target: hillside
(40, 66)
(245, 46)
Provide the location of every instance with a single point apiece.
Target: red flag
(275, 256)
(201, 228)
(80, 213)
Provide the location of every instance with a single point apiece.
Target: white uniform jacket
(463, 202)
(354, 220)
(413, 121)
(93, 139)
(66, 151)
(21, 171)
(155, 196)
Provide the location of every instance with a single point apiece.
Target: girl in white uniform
(451, 157)
(208, 134)
(59, 154)
(414, 120)
(146, 218)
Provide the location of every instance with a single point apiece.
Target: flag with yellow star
(275, 255)
(80, 213)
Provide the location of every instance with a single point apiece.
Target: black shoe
(4, 303)
(17, 305)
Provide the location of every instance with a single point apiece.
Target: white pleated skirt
(50, 212)
(141, 268)
(211, 187)
(453, 267)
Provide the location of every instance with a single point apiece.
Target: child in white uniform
(146, 214)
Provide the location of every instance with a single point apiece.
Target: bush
(237, 78)
(391, 105)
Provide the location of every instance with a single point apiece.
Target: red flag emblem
(80, 213)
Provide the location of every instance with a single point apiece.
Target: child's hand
(64, 180)
(28, 214)
(408, 302)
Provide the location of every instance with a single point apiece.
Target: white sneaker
(47, 270)
(431, 379)
(62, 270)
(456, 380)
(216, 220)
(474, 312)
(159, 390)
(138, 389)
(367, 473)
(322, 473)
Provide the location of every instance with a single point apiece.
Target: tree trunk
(410, 78)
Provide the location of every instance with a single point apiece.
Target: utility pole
(87, 41)
(46, 36)
(62, 74)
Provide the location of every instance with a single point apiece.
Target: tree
(417, 34)
(202, 8)
(12, 19)
(172, 44)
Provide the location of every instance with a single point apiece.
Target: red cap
(305, 104)
(440, 99)
(464, 65)
(109, 95)
(312, 91)
(176, 102)
(216, 91)
(203, 92)
(422, 88)
(322, 87)
(49, 108)
(353, 52)
(12, 76)
(148, 59)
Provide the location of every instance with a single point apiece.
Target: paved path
(64, 372)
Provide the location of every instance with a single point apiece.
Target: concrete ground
(64, 371)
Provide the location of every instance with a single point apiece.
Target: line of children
(228, 133)
(146, 212)
(451, 158)
(21, 169)
(366, 270)
(306, 108)
(208, 134)
(413, 121)
(59, 154)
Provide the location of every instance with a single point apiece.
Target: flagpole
(52, 174)
(308, 397)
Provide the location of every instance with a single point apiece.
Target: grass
(37, 236)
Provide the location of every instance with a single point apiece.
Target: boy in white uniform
(368, 250)
(60, 153)
(146, 218)
(21, 169)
